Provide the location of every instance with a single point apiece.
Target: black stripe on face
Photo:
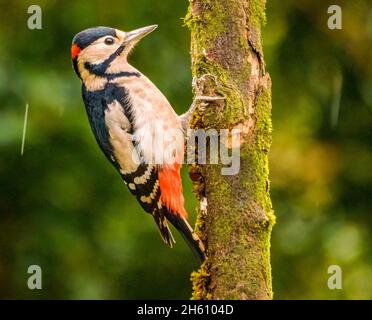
(112, 76)
(100, 68)
(88, 36)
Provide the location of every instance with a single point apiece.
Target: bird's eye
(109, 41)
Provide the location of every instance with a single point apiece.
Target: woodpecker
(135, 126)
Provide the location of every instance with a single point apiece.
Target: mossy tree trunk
(236, 217)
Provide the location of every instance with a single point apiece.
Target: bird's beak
(136, 35)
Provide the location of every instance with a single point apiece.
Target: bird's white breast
(158, 132)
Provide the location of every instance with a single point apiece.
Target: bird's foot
(202, 102)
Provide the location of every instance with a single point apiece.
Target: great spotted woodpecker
(135, 126)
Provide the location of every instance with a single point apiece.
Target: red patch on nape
(171, 189)
(75, 50)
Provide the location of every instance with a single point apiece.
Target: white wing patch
(121, 141)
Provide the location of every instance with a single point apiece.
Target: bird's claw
(208, 98)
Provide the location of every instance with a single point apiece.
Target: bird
(135, 126)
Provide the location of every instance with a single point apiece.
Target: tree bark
(235, 218)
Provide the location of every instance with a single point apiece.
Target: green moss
(219, 80)
(257, 13)
(208, 21)
(257, 187)
(259, 152)
(200, 283)
(263, 122)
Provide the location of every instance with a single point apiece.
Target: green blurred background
(63, 207)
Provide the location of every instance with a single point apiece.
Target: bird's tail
(187, 232)
(172, 207)
(162, 224)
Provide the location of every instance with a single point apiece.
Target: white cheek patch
(98, 51)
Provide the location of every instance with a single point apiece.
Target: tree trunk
(235, 218)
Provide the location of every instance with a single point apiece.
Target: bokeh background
(63, 207)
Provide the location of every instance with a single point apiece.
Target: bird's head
(95, 49)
